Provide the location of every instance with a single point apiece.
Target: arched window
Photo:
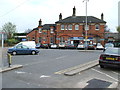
(76, 27)
(69, 27)
(62, 27)
(97, 27)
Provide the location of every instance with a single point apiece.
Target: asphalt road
(39, 71)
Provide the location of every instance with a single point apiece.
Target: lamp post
(86, 26)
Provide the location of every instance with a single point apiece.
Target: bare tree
(9, 29)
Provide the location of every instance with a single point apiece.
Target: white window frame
(69, 27)
(40, 30)
(66, 27)
(76, 27)
(62, 27)
(97, 27)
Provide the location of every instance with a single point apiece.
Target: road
(40, 71)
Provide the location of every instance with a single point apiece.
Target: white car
(53, 46)
(99, 46)
(80, 46)
(61, 45)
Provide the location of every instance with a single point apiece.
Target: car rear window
(113, 51)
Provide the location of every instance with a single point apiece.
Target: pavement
(5, 69)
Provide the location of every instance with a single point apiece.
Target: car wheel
(33, 52)
(14, 52)
(101, 66)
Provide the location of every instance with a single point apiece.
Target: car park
(70, 46)
(22, 49)
(110, 58)
(99, 46)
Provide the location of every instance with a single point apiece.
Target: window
(66, 27)
(69, 27)
(97, 27)
(76, 27)
(40, 30)
(62, 27)
(51, 30)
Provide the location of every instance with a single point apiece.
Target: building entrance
(76, 42)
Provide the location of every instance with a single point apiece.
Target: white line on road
(61, 57)
(105, 74)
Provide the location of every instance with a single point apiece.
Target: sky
(25, 14)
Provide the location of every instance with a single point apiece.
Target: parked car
(80, 46)
(107, 45)
(53, 46)
(99, 46)
(110, 58)
(70, 46)
(22, 49)
(44, 46)
(61, 45)
(38, 45)
(91, 46)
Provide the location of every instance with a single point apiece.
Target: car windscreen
(113, 51)
(109, 45)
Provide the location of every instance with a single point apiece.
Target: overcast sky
(25, 14)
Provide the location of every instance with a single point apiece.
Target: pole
(86, 27)
(2, 40)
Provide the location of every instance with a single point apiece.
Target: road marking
(105, 74)
(115, 72)
(44, 76)
(61, 57)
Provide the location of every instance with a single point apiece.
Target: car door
(18, 49)
(25, 50)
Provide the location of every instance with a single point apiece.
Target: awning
(76, 38)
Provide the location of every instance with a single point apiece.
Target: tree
(9, 29)
(118, 29)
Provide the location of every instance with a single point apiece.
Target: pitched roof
(47, 26)
(81, 19)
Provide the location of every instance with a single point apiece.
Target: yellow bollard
(9, 59)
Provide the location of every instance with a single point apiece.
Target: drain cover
(97, 83)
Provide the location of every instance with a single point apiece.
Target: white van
(30, 44)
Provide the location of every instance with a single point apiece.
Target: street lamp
(86, 26)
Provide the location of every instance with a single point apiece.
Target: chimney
(40, 22)
(102, 16)
(60, 16)
(74, 11)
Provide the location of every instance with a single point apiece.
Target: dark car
(91, 46)
(110, 58)
(44, 46)
(70, 46)
(22, 49)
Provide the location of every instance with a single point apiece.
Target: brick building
(70, 30)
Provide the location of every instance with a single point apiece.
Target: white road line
(61, 57)
(105, 74)
(115, 72)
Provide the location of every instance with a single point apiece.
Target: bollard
(9, 59)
